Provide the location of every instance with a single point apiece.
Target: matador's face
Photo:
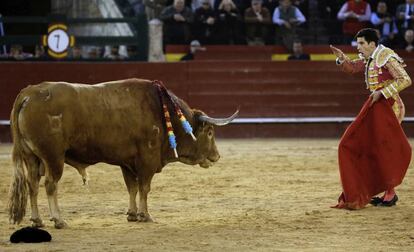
(365, 48)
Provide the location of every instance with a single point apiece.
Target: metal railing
(282, 120)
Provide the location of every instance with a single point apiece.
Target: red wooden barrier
(260, 88)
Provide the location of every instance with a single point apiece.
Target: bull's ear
(197, 122)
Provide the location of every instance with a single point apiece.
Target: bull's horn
(219, 121)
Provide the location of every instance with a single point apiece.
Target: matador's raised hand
(338, 53)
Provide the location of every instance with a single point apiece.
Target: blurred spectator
(153, 8)
(93, 53)
(384, 22)
(391, 4)
(39, 52)
(194, 47)
(177, 19)
(187, 3)
(405, 16)
(241, 5)
(409, 38)
(114, 53)
(16, 53)
(137, 7)
(205, 23)
(303, 6)
(257, 19)
(229, 23)
(355, 15)
(298, 53)
(3, 48)
(408, 43)
(195, 4)
(132, 51)
(288, 18)
(76, 53)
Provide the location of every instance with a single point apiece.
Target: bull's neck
(170, 103)
(181, 137)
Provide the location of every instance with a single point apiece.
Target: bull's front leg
(144, 189)
(146, 166)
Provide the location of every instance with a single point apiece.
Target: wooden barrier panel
(270, 49)
(259, 88)
(260, 53)
(17, 75)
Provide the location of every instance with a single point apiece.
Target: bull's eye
(210, 134)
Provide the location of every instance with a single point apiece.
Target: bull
(120, 123)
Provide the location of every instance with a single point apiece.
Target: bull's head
(204, 151)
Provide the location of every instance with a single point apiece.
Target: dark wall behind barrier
(261, 89)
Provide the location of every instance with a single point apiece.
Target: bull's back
(90, 122)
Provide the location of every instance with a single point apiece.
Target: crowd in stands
(265, 22)
(232, 22)
(16, 53)
(256, 22)
(392, 19)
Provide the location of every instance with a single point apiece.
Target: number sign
(58, 41)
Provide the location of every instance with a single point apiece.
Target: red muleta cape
(373, 154)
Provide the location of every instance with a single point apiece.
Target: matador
(374, 152)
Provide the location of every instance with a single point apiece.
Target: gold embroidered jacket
(384, 71)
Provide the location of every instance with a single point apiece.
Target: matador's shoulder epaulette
(384, 55)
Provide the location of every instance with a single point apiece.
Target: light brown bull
(119, 123)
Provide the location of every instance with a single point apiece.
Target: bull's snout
(210, 160)
(214, 158)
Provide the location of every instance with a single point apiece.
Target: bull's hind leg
(53, 173)
(132, 186)
(34, 174)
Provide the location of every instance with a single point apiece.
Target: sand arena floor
(263, 195)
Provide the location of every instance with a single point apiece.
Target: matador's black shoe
(376, 201)
(392, 202)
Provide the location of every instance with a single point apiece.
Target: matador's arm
(346, 64)
(352, 66)
(400, 76)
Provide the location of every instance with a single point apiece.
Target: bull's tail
(19, 187)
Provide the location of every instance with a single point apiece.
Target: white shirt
(195, 4)
(298, 15)
(407, 17)
(365, 17)
(386, 28)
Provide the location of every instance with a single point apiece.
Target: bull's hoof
(142, 217)
(59, 224)
(132, 217)
(37, 223)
